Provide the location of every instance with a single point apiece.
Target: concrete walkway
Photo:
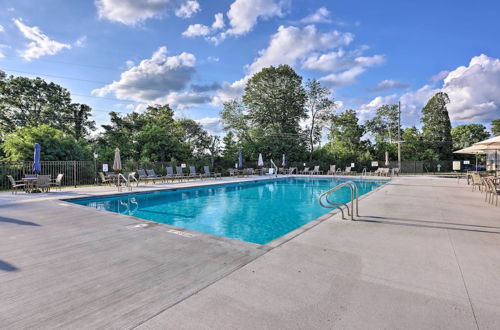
(425, 253)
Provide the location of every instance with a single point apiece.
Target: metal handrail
(127, 182)
(337, 205)
(275, 168)
(363, 173)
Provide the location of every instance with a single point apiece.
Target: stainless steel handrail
(275, 168)
(127, 182)
(337, 205)
(363, 173)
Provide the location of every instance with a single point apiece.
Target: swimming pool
(257, 211)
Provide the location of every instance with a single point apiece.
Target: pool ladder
(127, 181)
(326, 203)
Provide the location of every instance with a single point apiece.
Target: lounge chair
(316, 171)
(43, 182)
(332, 169)
(291, 170)
(152, 175)
(15, 184)
(180, 173)
(209, 174)
(170, 173)
(193, 174)
(144, 177)
(347, 171)
(58, 181)
(103, 178)
(305, 171)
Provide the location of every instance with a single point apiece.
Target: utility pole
(399, 136)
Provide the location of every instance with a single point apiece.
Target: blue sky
(121, 55)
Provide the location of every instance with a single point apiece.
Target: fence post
(74, 172)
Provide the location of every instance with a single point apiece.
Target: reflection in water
(256, 212)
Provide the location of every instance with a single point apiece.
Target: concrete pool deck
(425, 253)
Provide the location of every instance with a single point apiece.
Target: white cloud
(156, 80)
(185, 100)
(331, 61)
(196, 30)
(348, 77)
(388, 84)
(366, 110)
(2, 28)
(229, 91)
(129, 63)
(213, 59)
(40, 44)
(81, 42)
(212, 125)
(188, 9)
(319, 16)
(473, 90)
(130, 12)
(2, 46)
(291, 44)
(439, 76)
(243, 14)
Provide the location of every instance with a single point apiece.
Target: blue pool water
(256, 212)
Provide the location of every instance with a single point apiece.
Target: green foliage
(437, 126)
(31, 102)
(384, 125)
(466, 135)
(320, 107)
(54, 143)
(495, 127)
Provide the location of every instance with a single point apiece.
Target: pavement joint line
(458, 264)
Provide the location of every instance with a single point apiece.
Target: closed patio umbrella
(387, 159)
(260, 162)
(283, 161)
(117, 163)
(240, 160)
(37, 167)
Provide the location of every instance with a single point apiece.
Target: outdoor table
(29, 184)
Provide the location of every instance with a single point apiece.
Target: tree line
(278, 114)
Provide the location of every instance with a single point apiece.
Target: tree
(55, 144)
(320, 108)
(495, 127)
(414, 147)
(214, 148)
(30, 102)
(193, 134)
(437, 126)
(384, 125)
(466, 135)
(230, 147)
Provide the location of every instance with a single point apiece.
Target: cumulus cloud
(243, 14)
(188, 9)
(1, 28)
(185, 100)
(196, 30)
(387, 85)
(81, 42)
(212, 125)
(439, 76)
(367, 110)
(319, 16)
(348, 77)
(229, 91)
(291, 44)
(157, 79)
(473, 90)
(130, 12)
(40, 45)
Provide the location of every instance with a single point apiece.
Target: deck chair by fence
(144, 177)
(316, 170)
(170, 173)
(292, 170)
(332, 169)
(180, 173)
(15, 184)
(152, 175)
(305, 171)
(58, 181)
(209, 174)
(193, 174)
(347, 171)
(103, 178)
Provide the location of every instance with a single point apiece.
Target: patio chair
(103, 178)
(316, 171)
(477, 182)
(170, 173)
(291, 170)
(305, 171)
(206, 169)
(58, 181)
(332, 169)
(193, 174)
(491, 190)
(347, 171)
(180, 173)
(15, 184)
(144, 177)
(152, 175)
(43, 182)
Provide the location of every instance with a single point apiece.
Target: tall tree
(495, 127)
(384, 125)
(82, 125)
(466, 135)
(437, 126)
(320, 108)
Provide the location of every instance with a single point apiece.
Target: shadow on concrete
(5, 266)
(395, 223)
(18, 222)
(434, 222)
